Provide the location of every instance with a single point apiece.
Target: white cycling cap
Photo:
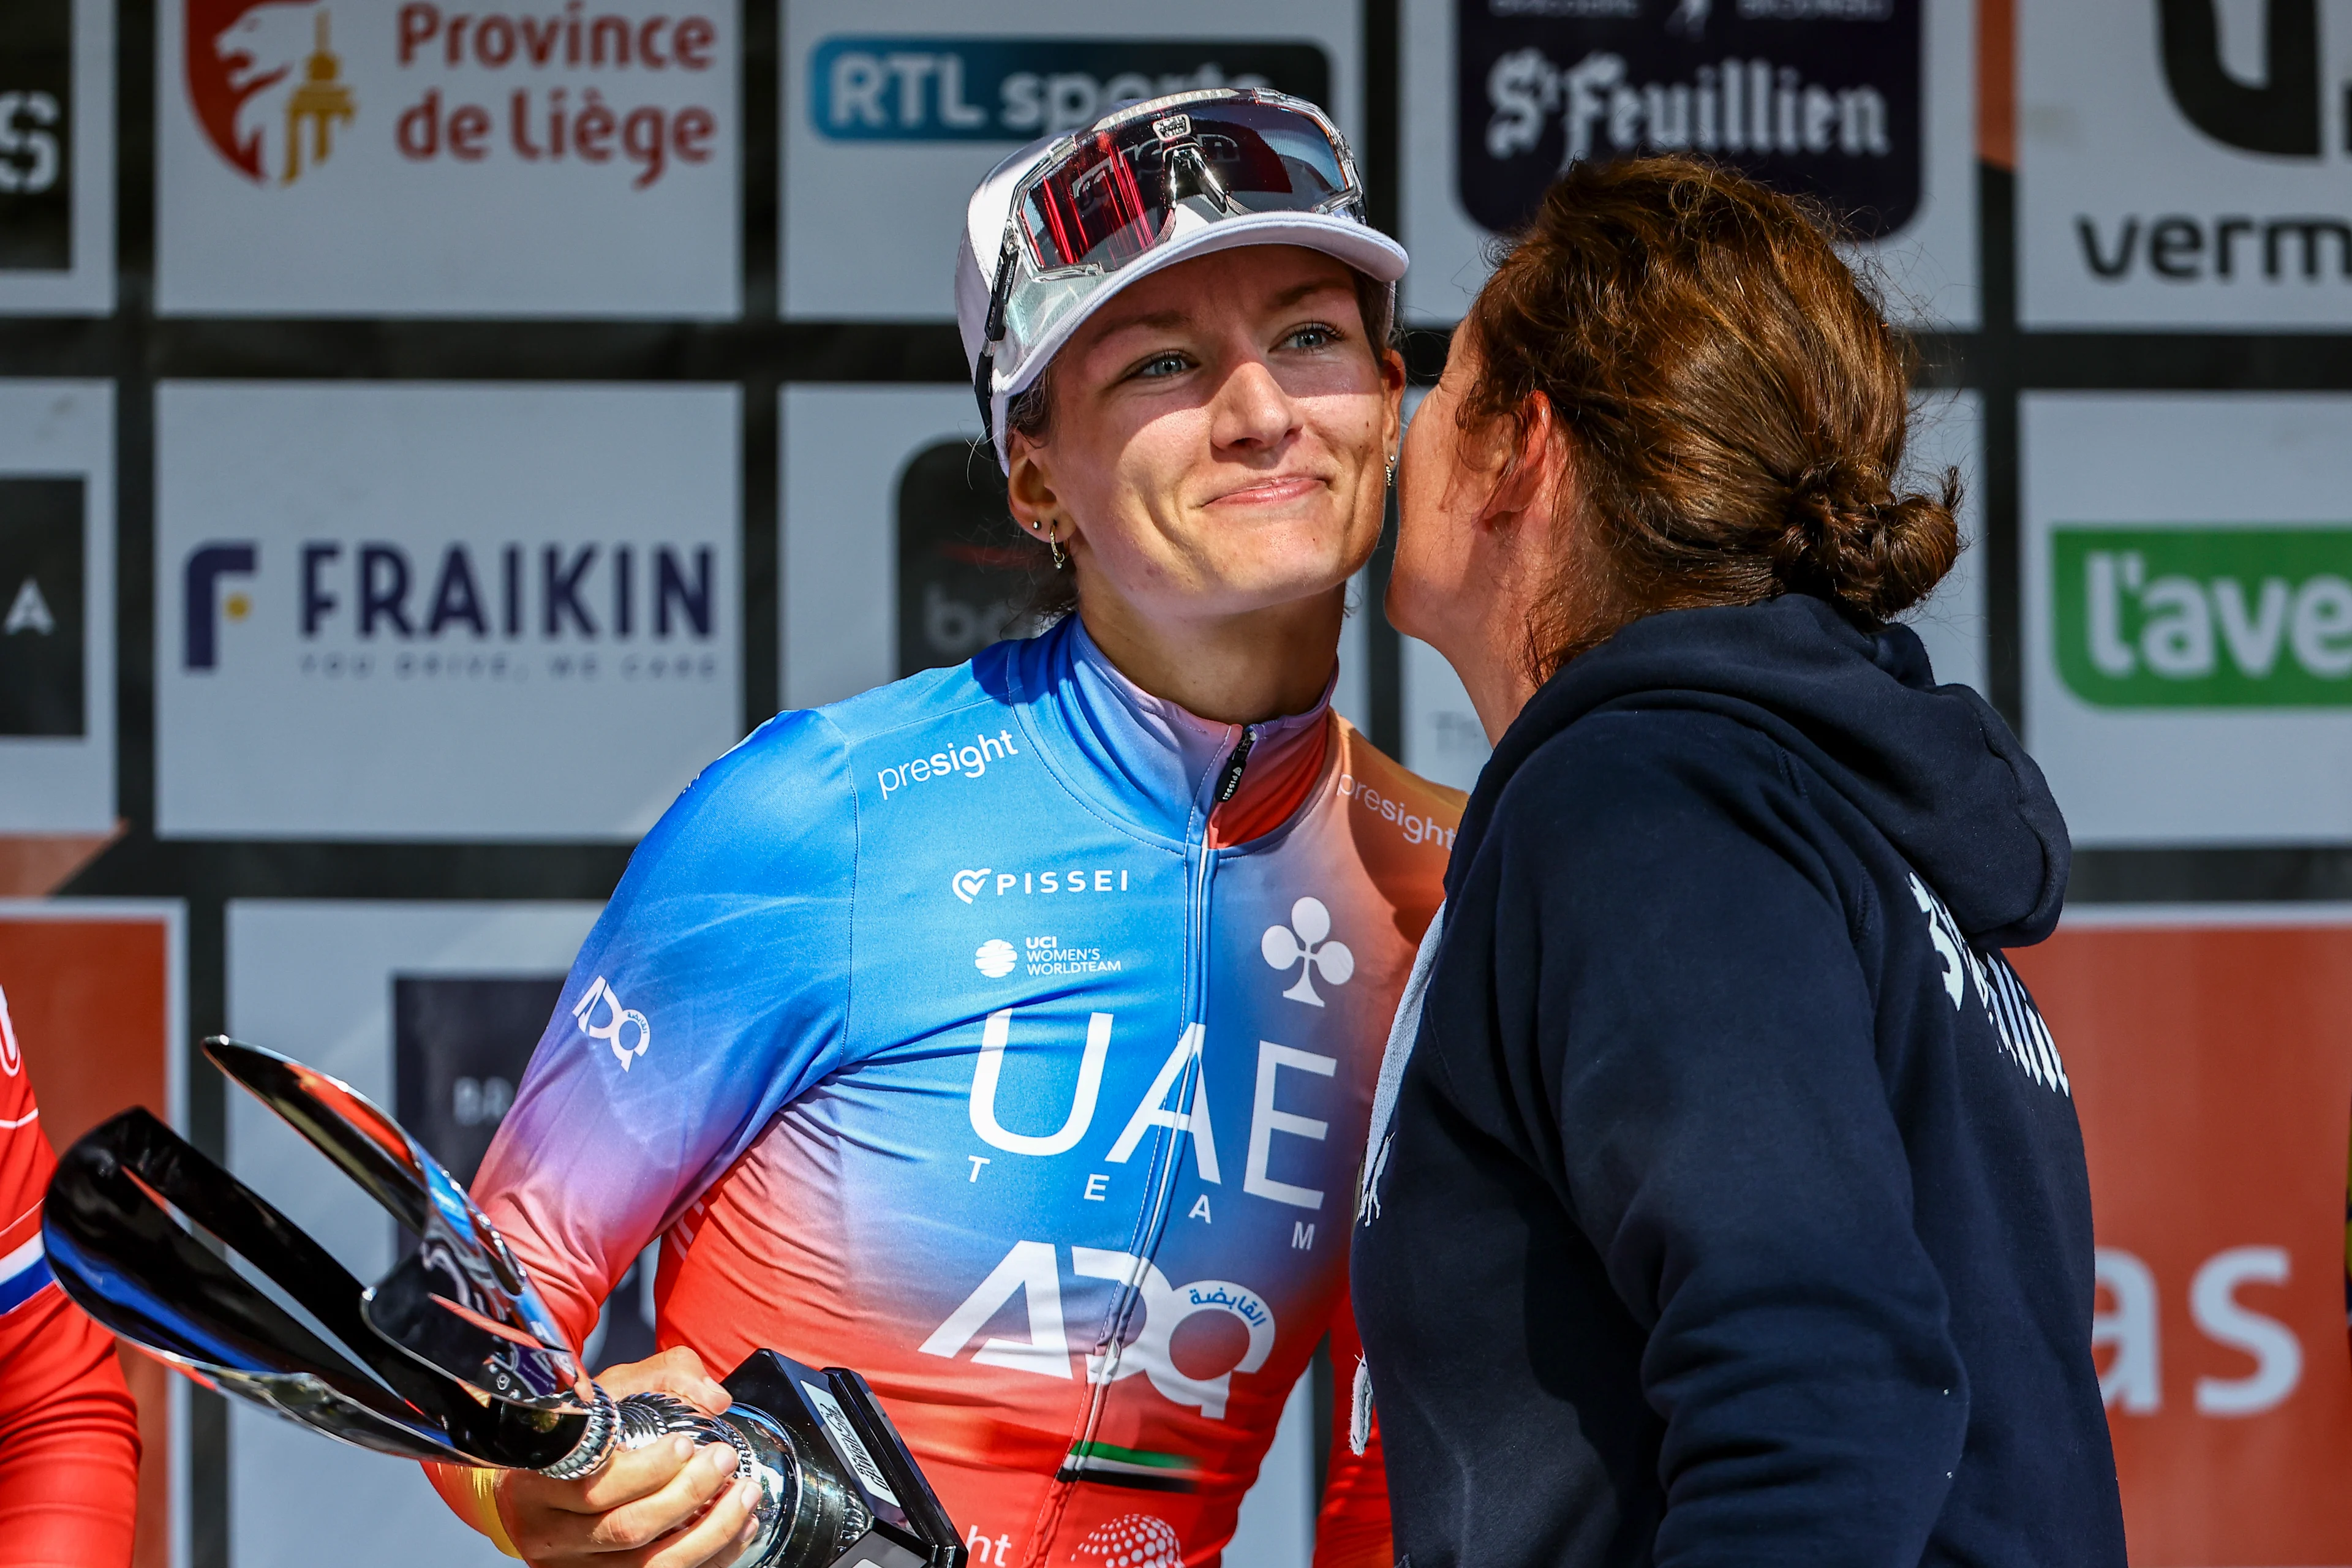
(1047, 310)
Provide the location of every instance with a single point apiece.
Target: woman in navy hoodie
(1728, 1203)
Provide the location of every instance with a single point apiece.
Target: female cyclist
(1008, 1034)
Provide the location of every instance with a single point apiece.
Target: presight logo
(266, 85)
(1305, 944)
(2204, 617)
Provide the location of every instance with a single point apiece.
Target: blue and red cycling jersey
(1007, 1035)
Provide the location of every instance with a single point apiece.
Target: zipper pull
(1230, 779)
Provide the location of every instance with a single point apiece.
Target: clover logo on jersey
(1305, 942)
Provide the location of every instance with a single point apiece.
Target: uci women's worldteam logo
(266, 85)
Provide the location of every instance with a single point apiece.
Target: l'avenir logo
(266, 84)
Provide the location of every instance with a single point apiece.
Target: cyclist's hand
(647, 1508)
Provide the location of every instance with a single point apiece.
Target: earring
(1391, 478)
(1054, 542)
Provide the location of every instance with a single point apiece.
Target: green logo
(2205, 617)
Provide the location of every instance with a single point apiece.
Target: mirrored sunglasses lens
(1108, 202)
(1269, 159)
(1094, 208)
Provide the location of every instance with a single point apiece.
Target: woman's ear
(1029, 486)
(1526, 460)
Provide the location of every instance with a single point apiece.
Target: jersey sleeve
(68, 1430)
(713, 991)
(1352, 1531)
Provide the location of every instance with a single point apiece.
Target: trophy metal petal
(453, 1355)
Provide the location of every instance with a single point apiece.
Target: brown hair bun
(1735, 400)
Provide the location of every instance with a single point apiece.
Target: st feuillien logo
(266, 84)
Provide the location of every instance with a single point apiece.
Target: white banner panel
(1444, 740)
(892, 115)
(325, 158)
(2186, 163)
(56, 157)
(57, 606)
(396, 999)
(1869, 103)
(452, 612)
(2188, 614)
(898, 555)
(1948, 432)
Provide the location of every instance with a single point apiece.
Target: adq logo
(2204, 617)
(1305, 942)
(601, 1016)
(266, 85)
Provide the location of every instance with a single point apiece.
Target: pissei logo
(2204, 617)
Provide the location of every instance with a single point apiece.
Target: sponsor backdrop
(441, 612)
(57, 156)
(891, 114)
(56, 607)
(2209, 1060)
(333, 158)
(430, 433)
(2199, 176)
(1867, 104)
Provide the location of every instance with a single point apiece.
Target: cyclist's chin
(1263, 569)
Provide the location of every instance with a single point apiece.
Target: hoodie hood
(1932, 767)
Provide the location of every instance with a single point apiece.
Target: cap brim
(1365, 249)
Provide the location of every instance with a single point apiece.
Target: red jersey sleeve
(1352, 1532)
(68, 1430)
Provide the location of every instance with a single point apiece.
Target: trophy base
(839, 1487)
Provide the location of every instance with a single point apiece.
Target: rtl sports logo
(365, 609)
(266, 84)
(899, 89)
(2204, 617)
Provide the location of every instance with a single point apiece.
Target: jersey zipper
(1161, 1200)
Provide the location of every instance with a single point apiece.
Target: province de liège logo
(266, 84)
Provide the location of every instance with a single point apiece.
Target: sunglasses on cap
(1118, 190)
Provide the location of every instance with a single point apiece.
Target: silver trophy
(452, 1355)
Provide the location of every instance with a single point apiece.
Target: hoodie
(1733, 1209)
